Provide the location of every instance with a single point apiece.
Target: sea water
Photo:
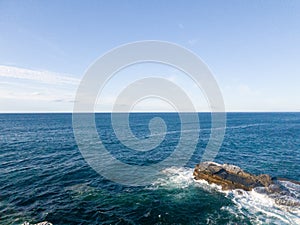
(43, 175)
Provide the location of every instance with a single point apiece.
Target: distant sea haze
(44, 176)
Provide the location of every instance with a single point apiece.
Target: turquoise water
(44, 176)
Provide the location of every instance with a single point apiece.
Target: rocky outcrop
(41, 223)
(233, 177)
(230, 176)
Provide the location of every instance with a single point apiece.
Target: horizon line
(99, 112)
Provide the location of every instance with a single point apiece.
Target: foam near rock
(41, 223)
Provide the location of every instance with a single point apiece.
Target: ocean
(44, 176)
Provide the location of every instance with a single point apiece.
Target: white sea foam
(259, 207)
(262, 209)
(174, 177)
(206, 129)
(41, 223)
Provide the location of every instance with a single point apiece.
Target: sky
(251, 47)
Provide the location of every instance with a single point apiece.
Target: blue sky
(252, 48)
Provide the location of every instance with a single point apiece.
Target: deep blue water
(43, 175)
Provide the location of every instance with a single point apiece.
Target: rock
(41, 223)
(230, 176)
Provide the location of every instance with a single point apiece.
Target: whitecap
(257, 205)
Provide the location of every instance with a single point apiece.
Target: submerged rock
(230, 176)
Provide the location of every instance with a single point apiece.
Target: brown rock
(230, 176)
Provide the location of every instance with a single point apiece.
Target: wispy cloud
(37, 75)
(35, 90)
(27, 90)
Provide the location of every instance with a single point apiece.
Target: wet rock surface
(230, 176)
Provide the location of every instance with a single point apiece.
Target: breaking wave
(256, 205)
